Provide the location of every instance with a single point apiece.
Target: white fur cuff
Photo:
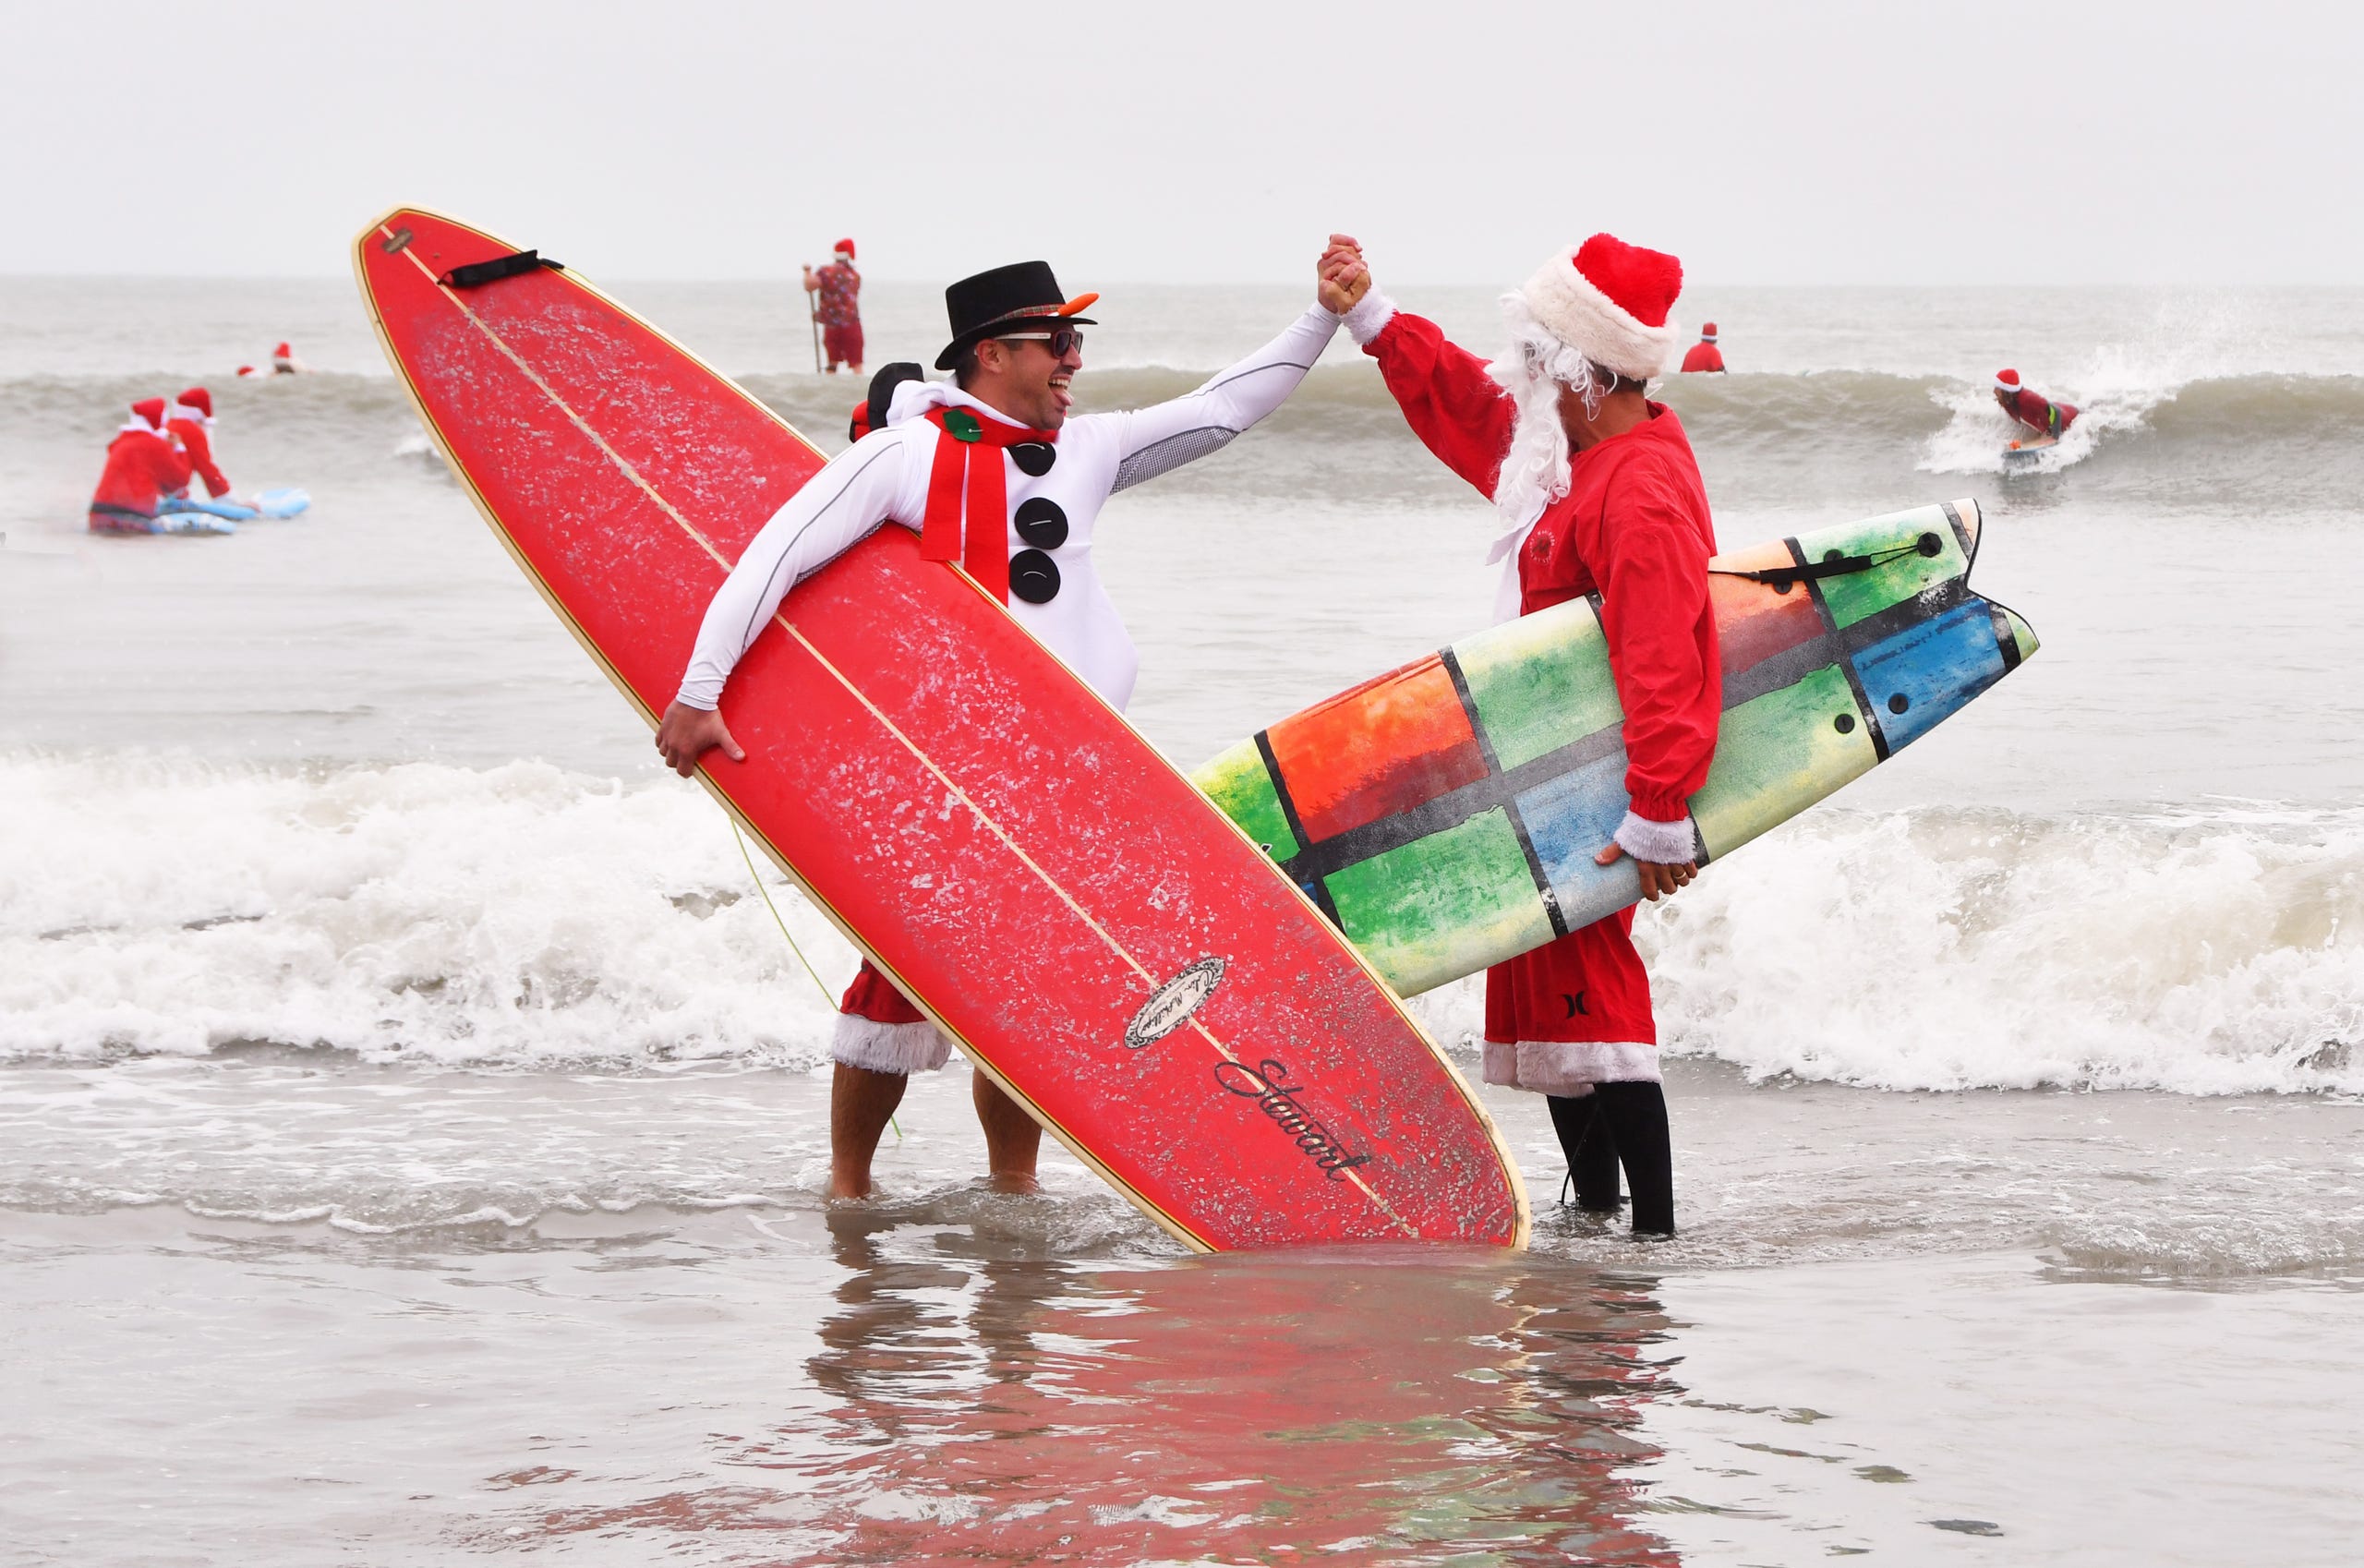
(1662, 843)
(889, 1047)
(1367, 319)
(1568, 1069)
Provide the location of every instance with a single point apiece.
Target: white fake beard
(1533, 369)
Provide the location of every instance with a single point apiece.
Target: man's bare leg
(860, 1102)
(1012, 1137)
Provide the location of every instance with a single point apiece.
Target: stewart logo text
(1175, 1002)
(1267, 1084)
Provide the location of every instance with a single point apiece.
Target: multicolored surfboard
(1446, 814)
(996, 838)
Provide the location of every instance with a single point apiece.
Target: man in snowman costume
(992, 473)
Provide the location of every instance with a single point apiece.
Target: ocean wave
(523, 915)
(1943, 424)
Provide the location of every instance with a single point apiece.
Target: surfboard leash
(740, 840)
(757, 877)
(1831, 565)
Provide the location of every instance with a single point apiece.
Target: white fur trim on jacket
(889, 1047)
(1588, 320)
(1568, 1068)
(1370, 316)
(1662, 843)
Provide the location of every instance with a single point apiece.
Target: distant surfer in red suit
(189, 420)
(836, 288)
(1703, 355)
(992, 473)
(144, 465)
(1599, 493)
(2032, 408)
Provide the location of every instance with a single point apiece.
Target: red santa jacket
(1633, 527)
(2037, 412)
(1704, 357)
(199, 447)
(143, 468)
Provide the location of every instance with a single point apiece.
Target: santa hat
(845, 249)
(1708, 332)
(283, 352)
(2007, 380)
(152, 414)
(199, 399)
(1608, 300)
(247, 371)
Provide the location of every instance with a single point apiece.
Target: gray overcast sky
(1994, 142)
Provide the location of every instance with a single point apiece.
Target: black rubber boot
(1634, 1114)
(1585, 1139)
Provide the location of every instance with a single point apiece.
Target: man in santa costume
(992, 473)
(837, 291)
(189, 420)
(1704, 356)
(1601, 496)
(2031, 407)
(144, 465)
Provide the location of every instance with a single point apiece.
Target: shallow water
(424, 1317)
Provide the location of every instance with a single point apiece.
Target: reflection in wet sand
(995, 1405)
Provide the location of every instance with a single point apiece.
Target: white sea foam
(1937, 949)
(524, 916)
(515, 914)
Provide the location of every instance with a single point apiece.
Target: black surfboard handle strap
(1833, 565)
(476, 274)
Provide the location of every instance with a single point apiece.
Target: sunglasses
(1063, 341)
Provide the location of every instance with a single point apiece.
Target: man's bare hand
(1341, 278)
(685, 735)
(1657, 880)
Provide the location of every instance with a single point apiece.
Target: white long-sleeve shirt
(882, 478)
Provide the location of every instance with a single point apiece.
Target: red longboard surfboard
(1094, 934)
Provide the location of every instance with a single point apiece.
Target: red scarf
(958, 486)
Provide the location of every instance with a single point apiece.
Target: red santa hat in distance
(1708, 332)
(151, 413)
(199, 399)
(845, 249)
(1608, 301)
(283, 352)
(2007, 380)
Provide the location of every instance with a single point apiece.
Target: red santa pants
(843, 344)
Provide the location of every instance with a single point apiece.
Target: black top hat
(991, 304)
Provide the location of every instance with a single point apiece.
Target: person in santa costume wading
(1601, 496)
(2031, 407)
(837, 291)
(995, 448)
(144, 465)
(1704, 356)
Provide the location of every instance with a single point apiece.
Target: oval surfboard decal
(1176, 1000)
